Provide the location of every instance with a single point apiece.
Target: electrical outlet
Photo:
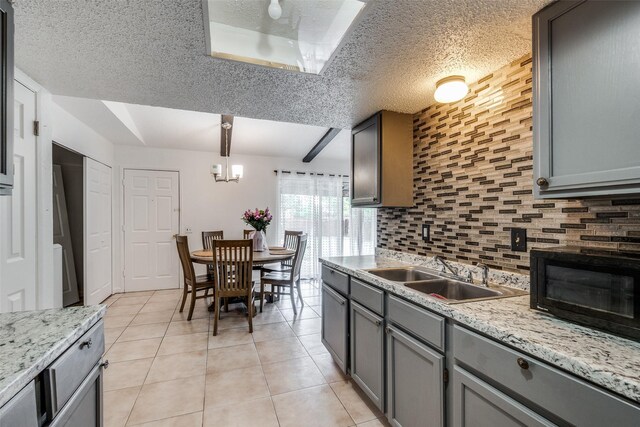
(188, 230)
(519, 239)
(426, 232)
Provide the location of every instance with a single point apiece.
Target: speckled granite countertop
(31, 340)
(607, 360)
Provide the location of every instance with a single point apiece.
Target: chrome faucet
(485, 274)
(447, 266)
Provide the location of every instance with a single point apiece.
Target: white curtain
(320, 207)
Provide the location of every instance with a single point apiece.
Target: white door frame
(122, 215)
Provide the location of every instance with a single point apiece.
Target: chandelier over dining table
(236, 170)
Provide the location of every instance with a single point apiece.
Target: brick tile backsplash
(473, 182)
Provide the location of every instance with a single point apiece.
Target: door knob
(542, 182)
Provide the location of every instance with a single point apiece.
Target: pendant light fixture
(236, 170)
(275, 10)
(451, 89)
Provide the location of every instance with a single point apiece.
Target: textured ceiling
(153, 52)
(140, 125)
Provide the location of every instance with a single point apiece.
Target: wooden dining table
(260, 258)
(274, 254)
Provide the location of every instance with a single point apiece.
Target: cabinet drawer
(63, 376)
(337, 280)
(572, 400)
(21, 410)
(367, 295)
(425, 325)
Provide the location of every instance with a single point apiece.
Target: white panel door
(151, 219)
(97, 232)
(18, 213)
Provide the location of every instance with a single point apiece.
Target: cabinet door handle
(88, 343)
(522, 363)
(341, 302)
(378, 322)
(542, 182)
(388, 330)
(105, 364)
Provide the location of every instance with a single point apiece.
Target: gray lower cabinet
(335, 321)
(415, 384)
(367, 352)
(21, 410)
(550, 392)
(477, 404)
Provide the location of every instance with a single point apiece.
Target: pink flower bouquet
(258, 219)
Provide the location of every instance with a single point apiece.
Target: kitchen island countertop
(31, 340)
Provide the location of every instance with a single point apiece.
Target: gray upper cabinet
(586, 118)
(6, 97)
(415, 382)
(382, 161)
(367, 352)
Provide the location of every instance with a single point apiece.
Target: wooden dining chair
(290, 242)
(284, 279)
(232, 266)
(192, 283)
(207, 238)
(246, 234)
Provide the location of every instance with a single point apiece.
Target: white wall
(205, 204)
(77, 136)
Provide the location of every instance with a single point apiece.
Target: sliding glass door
(320, 206)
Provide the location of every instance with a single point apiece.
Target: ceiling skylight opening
(303, 37)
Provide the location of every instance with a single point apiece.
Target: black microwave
(594, 287)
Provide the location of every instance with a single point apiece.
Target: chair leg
(261, 295)
(250, 311)
(216, 314)
(293, 299)
(299, 293)
(192, 305)
(226, 305)
(184, 296)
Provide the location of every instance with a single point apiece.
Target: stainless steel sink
(403, 274)
(454, 291)
(447, 289)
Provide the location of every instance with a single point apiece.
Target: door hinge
(445, 376)
(36, 128)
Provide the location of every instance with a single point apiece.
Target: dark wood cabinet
(6, 97)
(382, 161)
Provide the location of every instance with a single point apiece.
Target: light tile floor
(167, 372)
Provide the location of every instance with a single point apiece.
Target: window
(320, 207)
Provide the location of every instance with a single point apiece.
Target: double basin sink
(448, 290)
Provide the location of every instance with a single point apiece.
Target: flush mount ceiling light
(451, 89)
(275, 10)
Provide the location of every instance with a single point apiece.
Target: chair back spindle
(233, 263)
(182, 243)
(301, 246)
(291, 243)
(209, 236)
